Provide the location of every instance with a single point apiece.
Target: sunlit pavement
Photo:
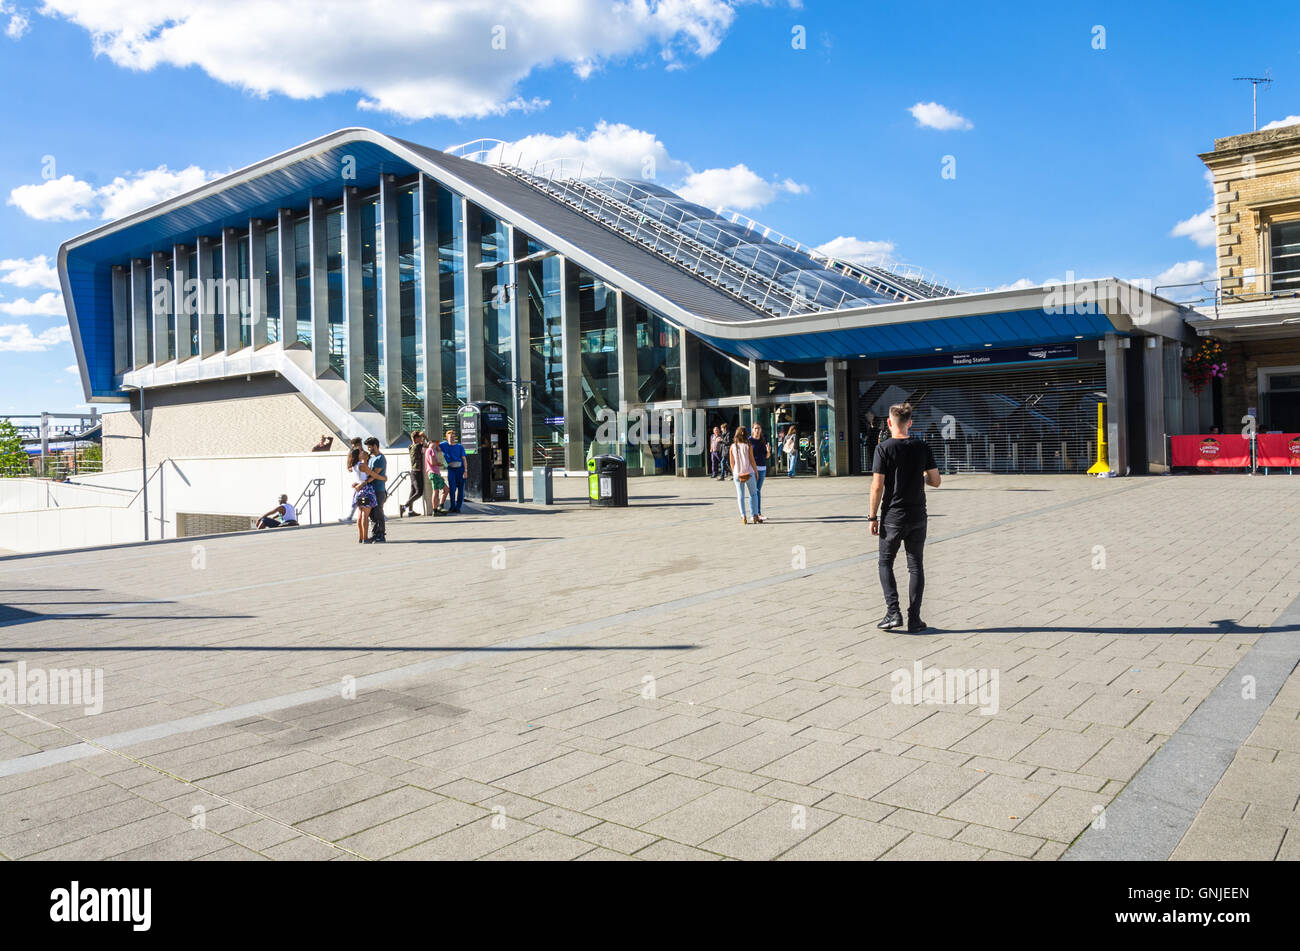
(660, 681)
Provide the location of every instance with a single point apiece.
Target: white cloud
(1200, 227)
(1019, 285)
(29, 272)
(856, 251)
(437, 58)
(737, 187)
(20, 339)
(59, 199)
(1280, 123)
(931, 115)
(18, 21)
(74, 370)
(612, 148)
(70, 199)
(47, 305)
(1182, 273)
(122, 196)
(616, 149)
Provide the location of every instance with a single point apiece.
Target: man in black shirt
(903, 467)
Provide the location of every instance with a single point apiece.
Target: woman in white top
(743, 473)
(363, 494)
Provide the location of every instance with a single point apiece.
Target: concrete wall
(240, 486)
(28, 495)
(264, 414)
(52, 529)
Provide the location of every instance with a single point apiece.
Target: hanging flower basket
(1208, 362)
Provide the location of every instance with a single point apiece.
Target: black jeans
(417, 490)
(377, 527)
(910, 533)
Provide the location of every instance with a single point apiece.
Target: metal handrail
(312, 490)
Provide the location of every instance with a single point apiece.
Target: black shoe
(379, 540)
(890, 621)
(917, 626)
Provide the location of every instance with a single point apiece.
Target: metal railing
(311, 491)
(744, 271)
(1216, 293)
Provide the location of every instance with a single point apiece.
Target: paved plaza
(663, 682)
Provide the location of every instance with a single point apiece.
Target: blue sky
(1067, 157)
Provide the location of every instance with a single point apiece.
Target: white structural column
(430, 300)
(353, 302)
(837, 396)
(183, 301)
(257, 280)
(387, 258)
(759, 386)
(521, 311)
(209, 294)
(1116, 348)
(320, 292)
(230, 287)
(160, 306)
(140, 308)
(288, 256)
(575, 448)
(1153, 376)
(474, 301)
(122, 361)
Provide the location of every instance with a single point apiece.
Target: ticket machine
(486, 437)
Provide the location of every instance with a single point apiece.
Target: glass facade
(452, 312)
(598, 346)
(302, 277)
(272, 280)
(538, 302)
(411, 306)
(658, 356)
(372, 302)
(720, 375)
(338, 336)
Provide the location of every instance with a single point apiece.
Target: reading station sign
(981, 358)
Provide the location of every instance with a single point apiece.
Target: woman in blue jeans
(742, 473)
(791, 447)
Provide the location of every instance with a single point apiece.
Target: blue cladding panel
(90, 265)
(1018, 328)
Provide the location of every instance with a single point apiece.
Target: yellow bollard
(1101, 466)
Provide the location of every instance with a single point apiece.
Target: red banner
(1211, 451)
(1277, 449)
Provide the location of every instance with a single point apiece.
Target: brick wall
(1256, 181)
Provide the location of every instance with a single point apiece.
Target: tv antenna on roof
(1254, 93)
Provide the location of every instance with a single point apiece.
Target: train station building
(361, 285)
